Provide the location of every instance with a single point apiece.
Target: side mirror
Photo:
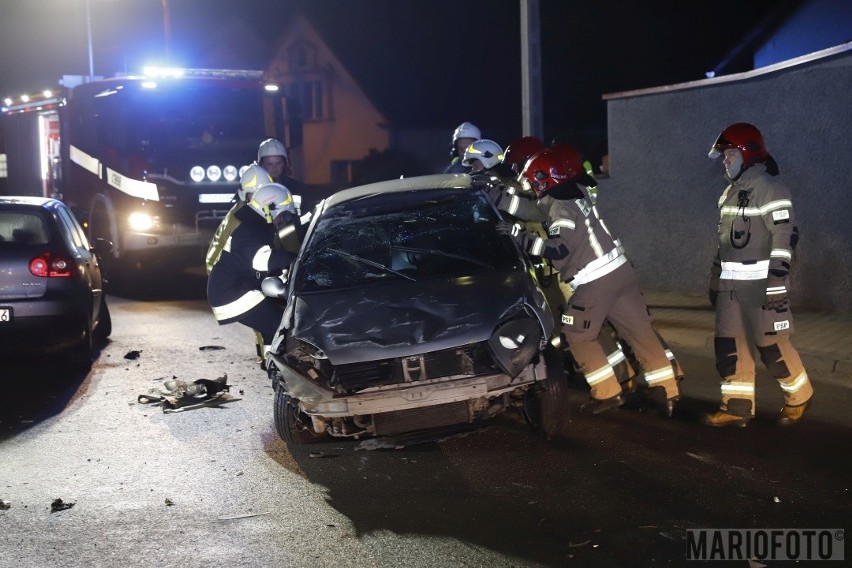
(274, 286)
(103, 246)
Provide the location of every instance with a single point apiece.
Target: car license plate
(5, 314)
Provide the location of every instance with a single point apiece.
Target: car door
(87, 261)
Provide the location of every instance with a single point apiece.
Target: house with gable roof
(330, 124)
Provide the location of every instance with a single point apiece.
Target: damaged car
(409, 316)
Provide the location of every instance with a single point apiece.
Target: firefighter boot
(737, 414)
(665, 406)
(790, 415)
(598, 405)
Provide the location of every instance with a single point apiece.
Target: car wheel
(292, 425)
(104, 328)
(547, 404)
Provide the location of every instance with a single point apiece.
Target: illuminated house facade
(329, 121)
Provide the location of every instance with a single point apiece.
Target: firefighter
(253, 177)
(273, 156)
(464, 135)
(245, 250)
(757, 236)
(605, 286)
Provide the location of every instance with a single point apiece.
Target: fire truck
(149, 163)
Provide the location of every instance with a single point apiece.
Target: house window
(341, 172)
(302, 58)
(306, 100)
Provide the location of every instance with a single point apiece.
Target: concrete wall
(661, 195)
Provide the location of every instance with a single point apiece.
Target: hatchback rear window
(23, 228)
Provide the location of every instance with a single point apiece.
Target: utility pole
(531, 106)
(167, 30)
(89, 35)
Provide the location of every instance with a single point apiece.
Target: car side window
(77, 235)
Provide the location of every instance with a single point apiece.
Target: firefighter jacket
(248, 251)
(578, 243)
(757, 232)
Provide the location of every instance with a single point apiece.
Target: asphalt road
(215, 486)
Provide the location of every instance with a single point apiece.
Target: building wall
(662, 192)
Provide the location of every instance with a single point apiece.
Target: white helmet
(466, 130)
(271, 147)
(486, 151)
(271, 200)
(253, 178)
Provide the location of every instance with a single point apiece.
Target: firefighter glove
(511, 229)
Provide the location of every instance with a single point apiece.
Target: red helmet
(746, 138)
(519, 151)
(551, 167)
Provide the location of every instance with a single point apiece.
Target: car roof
(31, 200)
(435, 181)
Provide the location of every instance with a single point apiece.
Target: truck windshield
(178, 116)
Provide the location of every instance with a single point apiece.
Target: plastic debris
(59, 505)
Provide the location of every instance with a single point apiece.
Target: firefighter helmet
(550, 168)
(466, 130)
(519, 151)
(271, 147)
(488, 152)
(571, 155)
(253, 178)
(271, 200)
(744, 137)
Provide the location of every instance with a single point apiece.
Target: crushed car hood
(408, 318)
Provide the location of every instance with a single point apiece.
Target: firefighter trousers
(615, 297)
(741, 325)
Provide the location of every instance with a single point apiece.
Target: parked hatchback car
(51, 290)
(408, 315)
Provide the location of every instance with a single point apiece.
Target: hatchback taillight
(51, 265)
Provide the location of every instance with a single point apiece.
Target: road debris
(5, 505)
(169, 502)
(243, 516)
(211, 348)
(179, 395)
(132, 354)
(60, 505)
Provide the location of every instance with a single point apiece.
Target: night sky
(425, 64)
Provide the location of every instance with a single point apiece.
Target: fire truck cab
(150, 163)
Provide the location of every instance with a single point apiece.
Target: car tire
(104, 329)
(288, 421)
(547, 403)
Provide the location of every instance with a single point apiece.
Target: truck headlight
(229, 173)
(196, 173)
(141, 221)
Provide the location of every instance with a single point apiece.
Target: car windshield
(407, 236)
